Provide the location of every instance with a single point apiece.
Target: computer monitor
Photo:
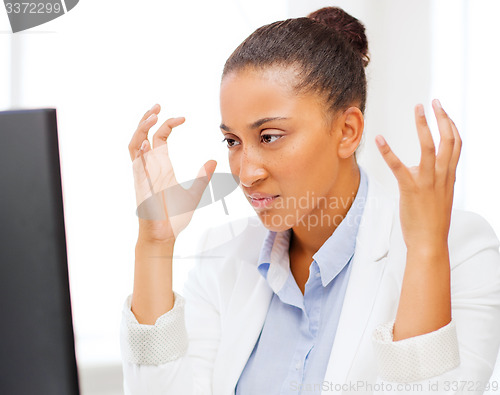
(37, 350)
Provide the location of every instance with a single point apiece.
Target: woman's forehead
(264, 93)
(286, 76)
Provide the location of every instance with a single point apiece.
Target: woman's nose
(251, 169)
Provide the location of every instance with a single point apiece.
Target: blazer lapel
(247, 309)
(368, 264)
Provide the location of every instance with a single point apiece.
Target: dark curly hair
(329, 49)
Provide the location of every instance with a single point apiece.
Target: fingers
(440, 168)
(139, 139)
(428, 150)
(399, 170)
(161, 135)
(141, 133)
(153, 110)
(145, 147)
(447, 142)
(202, 179)
(457, 148)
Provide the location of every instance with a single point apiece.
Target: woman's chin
(274, 222)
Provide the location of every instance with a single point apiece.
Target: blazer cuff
(415, 358)
(156, 344)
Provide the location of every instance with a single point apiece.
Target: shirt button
(297, 366)
(318, 274)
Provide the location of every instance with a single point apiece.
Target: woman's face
(279, 144)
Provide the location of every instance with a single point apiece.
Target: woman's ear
(351, 125)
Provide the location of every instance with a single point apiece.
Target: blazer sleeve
(459, 357)
(175, 355)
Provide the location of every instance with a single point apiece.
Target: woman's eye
(266, 137)
(230, 142)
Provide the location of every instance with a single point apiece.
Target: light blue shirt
(292, 352)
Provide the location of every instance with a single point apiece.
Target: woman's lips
(264, 202)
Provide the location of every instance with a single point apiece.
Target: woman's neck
(307, 239)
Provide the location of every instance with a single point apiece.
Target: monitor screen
(37, 351)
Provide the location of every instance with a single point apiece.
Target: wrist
(435, 249)
(143, 241)
(427, 258)
(153, 249)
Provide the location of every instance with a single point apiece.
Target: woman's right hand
(158, 193)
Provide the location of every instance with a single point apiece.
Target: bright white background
(106, 62)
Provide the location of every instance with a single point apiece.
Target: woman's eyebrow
(256, 124)
(226, 128)
(262, 121)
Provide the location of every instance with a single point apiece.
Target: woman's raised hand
(164, 207)
(426, 190)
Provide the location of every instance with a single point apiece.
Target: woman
(349, 292)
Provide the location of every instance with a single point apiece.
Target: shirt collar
(333, 255)
(274, 262)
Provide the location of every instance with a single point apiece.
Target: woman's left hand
(426, 190)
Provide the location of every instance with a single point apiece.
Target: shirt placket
(309, 325)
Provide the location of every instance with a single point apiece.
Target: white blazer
(225, 301)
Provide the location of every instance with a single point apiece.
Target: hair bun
(349, 27)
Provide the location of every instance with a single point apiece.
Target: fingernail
(151, 117)
(420, 110)
(152, 108)
(143, 145)
(438, 103)
(380, 141)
